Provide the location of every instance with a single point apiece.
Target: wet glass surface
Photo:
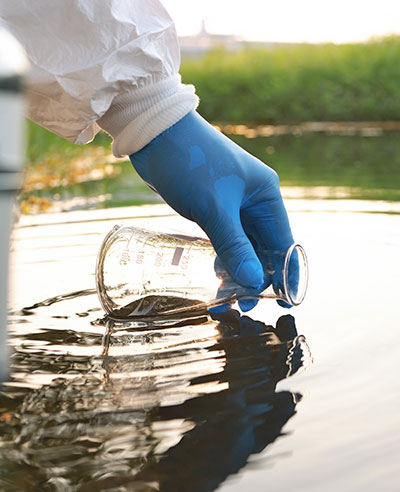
(308, 402)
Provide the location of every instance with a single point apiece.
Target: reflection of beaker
(141, 273)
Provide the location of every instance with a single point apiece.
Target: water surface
(145, 406)
(308, 402)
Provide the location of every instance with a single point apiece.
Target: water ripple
(142, 405)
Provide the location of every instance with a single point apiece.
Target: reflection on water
(342, 165)
(327, 160)
(131, 405)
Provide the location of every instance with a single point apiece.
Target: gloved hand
(234, 197)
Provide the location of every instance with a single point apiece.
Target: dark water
(157, 405)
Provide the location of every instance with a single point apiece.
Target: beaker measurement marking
(140, 257)
(158, 259)
(185, 259)
(125, 258)
(177, 256)
(140, 254)
(185, 262)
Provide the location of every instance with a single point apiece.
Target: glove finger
(234, 250)
(229, 290)
(284, 304)
(268, 227)
(223, 308)
(247, 304)
(267, 224)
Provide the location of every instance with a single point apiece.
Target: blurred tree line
(306, 82)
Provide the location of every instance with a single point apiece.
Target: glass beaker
(146, 273)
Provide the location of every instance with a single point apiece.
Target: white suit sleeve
(110, 64)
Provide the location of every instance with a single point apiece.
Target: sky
(312, 21)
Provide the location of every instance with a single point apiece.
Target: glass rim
(298, 299)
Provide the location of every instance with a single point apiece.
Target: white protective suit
(110, 64)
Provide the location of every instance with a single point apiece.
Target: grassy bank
(352, 82)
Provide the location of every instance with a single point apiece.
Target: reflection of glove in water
(233, 196)
(231, 424)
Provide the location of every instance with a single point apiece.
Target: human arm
(114, 64)
(110, 64)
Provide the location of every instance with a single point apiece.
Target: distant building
(198, 45)
(201, 43)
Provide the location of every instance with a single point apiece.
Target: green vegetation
(351, 82)
(41, 144)
(53, 162)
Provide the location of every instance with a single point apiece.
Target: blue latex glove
(234, 197)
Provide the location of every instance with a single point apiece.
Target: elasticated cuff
(135, 118)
